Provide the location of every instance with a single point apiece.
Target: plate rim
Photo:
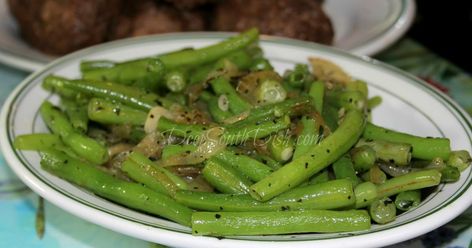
(376, 44)
(41, 188)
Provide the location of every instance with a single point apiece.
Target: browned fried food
(62, 26)
(300, 19)
(189, 4)
(147, 17)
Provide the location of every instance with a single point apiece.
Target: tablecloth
(18, 204)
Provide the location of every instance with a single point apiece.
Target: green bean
(270, 91)
(375, 175)
(262, 223)
(96, 64)
(393, 152)
(128, 95)
(193, 131)
(407, 200)
(239, 134)
(237, 104)
(261, 64)
(172, 150)
(217, 106)
(343, 168)
(175, 80)
(84, 146)
(247, 166)
(77, 114)
(308, 137)
(374, 102)
(358, 85)
(300, 169)
(330, 116)
(290, 107)
(143, 170)
(281, 147)
(316, 92)
(347, 99)
(423, 148)
(299, 76)
(328, 195)
(241, 58)
(383, 211)
(56, 85)
(224, 178)
(410, 181)
(267, 160)
(450, 174)
(363, 158)
(144, 73)
(365, 193)
(37, 141)
(106, 112)
(176, 97)
(459, 159)
(321, 177)
(129, 194)
(210, 53)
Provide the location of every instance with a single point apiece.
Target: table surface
(18, 204)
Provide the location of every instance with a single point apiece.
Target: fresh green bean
(423, 148)
(262, 223)
(270, 91)
(175, 80)
(217, 106)
(267, 160)
(143, 170)
(407, 200)
(410, 181)
(316, 92)
(224, 178)
(131, 96)
(237, 134)
(261, 64)
(188, 58)
(358, 85)
(247, 166)
(281, 147)
(84, 146)
(37, 141)
(77, 114)
(172, 150)
(321, 177)
(450, 174)
(300, 169)
(106, 112)
(328, 195)
(299, 76)
(363, 158)
(144, 73)
(375, 175)
(129, 194)
(348, 99)
(383, 211)
(237, 104)
(343, 168)
(365, 193)
(459, 159)
(393, 152)
(308, 137)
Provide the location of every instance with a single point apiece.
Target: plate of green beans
(236, 140)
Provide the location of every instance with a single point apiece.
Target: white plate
(408, 105)
(363, 27)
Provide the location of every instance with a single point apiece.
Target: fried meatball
(62, 26)
(300, 19)
(189, 4)
(146, 17)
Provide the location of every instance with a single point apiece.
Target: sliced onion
(153, 118)
(236, 118)
(118, 148)
(210, 145)
(151, 145)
